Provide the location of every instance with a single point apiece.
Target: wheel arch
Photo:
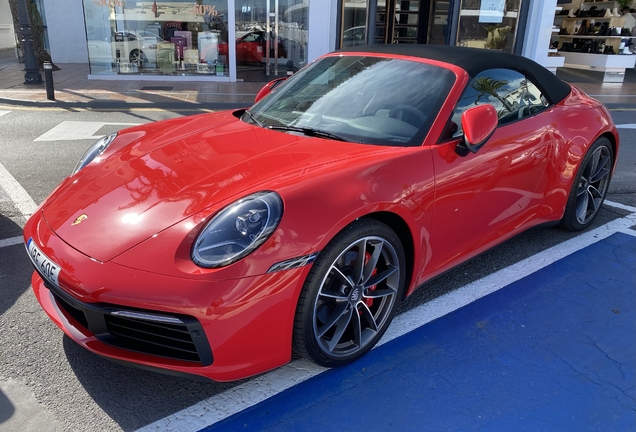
(401, 228)
(614, 142)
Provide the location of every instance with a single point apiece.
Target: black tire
(339, 316)
(589, 187)
(137, 57)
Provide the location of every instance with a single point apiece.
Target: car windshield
(374, 100)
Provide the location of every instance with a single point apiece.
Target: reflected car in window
(220, 244)
(251, 47)
(135, 46)
(354, 36)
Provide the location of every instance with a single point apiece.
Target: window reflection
(267, 40)
(178, 37)
(354, 21)
(488, 24)
(363, 99)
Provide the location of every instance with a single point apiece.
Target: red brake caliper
(367, 256)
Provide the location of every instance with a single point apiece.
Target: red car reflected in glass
(219, 244)
(251, 47)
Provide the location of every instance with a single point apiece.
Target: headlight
(237, 230)
(94, 151)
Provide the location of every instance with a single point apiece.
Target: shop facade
(546, 31)
(258, 40)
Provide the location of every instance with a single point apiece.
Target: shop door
(401, 21)
(269, 34)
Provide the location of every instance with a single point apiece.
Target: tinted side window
(510, 92)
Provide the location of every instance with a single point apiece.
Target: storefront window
(488, 24)
(269, 35)
(157, 37)
(354, 23)
(438, 27)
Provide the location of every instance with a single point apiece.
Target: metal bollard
(48, 78)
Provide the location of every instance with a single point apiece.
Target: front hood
(167, 174)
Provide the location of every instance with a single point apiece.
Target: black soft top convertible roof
(475, 60)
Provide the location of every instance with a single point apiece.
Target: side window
(510, 92)
(254, 37)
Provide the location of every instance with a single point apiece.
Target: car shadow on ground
(524, 245)
(15, 268)
(6, 408)
(132, 397)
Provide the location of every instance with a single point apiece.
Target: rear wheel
(590, 186)
(350, 295)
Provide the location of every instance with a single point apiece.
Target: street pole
(31, 72)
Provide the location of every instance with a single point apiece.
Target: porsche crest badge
(81, 218)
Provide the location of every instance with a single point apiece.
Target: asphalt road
(72, 389)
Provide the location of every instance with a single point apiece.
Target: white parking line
(626, 126)
(4, 112)
(16, 192)
(11, 241)
(77, 130)
(232, 401)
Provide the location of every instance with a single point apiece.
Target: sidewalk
(74, 89)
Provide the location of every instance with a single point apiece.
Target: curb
(121, 105)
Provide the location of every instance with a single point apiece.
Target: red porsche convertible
(219, 244)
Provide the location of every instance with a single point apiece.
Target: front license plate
(45, 266)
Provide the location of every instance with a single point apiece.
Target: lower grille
(173, 336)
(165, 340)
(77, 314)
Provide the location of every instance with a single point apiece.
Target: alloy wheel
(356, 296)
(593, 185)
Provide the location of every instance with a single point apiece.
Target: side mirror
(478, 124)
(267, 88)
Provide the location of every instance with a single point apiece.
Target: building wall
(323, 16)
(539, 30)
(67, 34)
(7, 38)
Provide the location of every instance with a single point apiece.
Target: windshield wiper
(251, 116)
(311, 132)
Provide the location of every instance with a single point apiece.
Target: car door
(483, 197)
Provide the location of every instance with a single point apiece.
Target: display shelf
(593, 37)
(612, 66)
(553, 62)
(567, 18)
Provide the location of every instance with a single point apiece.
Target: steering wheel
(524, 111)
(398, 113)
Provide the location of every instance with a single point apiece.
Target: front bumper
(228, 329)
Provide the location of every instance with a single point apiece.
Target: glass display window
(174, 37)
(271, 37)
(488, 24)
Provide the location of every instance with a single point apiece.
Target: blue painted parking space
(552, 351)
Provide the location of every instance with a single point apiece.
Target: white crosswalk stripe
(77, 130)
(16, 193)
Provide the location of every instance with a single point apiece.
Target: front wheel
(138, 57)
(590, 186)
(350, 295)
